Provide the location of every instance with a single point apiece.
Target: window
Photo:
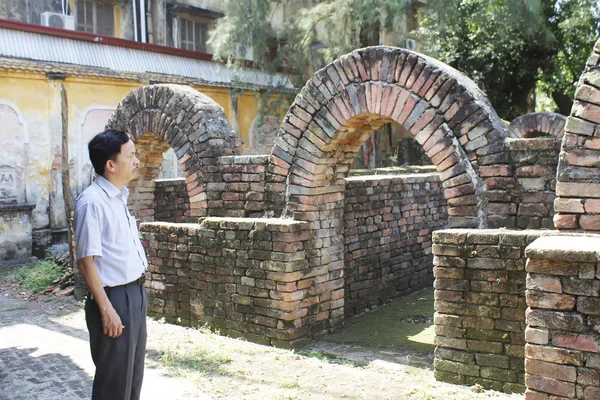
(413, 20)
(95, 17)
(193, 34)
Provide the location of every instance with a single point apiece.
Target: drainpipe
(165, 23)
(135, 30)
(143, 20)
(149, 24)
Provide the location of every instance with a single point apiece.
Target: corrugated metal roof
(40, 47)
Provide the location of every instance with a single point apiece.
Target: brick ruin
(281, 248)
(538, 124)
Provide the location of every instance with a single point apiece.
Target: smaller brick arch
(191, 123)
(537, 124)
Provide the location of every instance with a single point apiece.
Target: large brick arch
(537, 124)
(577, 205)
(346, 101)
(192, 124)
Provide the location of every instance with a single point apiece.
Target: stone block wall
(480, 307)
(521, 188)
(246, 277)
(534, 163)
(172, 201)
(516, 308)
(389, 221)
(236, 186)
(578, 186)
(563, 323)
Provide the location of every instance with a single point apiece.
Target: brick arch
(537, 124)
(577, 205)
(191, 123)
(346, 101)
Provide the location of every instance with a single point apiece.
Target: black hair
(106, 146)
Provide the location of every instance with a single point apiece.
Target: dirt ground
(384, 354)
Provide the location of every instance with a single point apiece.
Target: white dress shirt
(106, 230)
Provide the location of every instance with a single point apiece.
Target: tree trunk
(64, 112)
(564, 103)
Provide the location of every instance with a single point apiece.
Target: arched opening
(163, 117)
(150, 151)
(337, 112)
(388, 147)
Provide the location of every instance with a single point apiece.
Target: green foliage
(507, 47)
(576, 25)
(293, 48)
(197, 360)
(39, 276)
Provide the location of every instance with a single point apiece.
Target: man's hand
(111, 322)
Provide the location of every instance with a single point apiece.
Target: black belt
(139, 281)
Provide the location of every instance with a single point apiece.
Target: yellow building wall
(29, 95)
(247, 112)
(37, 98)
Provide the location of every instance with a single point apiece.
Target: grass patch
(389, 328)
(289, 384)
(196, 361)
(39, 276)
(328, 358)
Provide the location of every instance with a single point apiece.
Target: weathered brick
(537, 335)
(555, 320)
(544, 283)
(552, 301)
(569, 205)
(553, 355)
(588, 305)
(551, 370)
(456, 367)
(576, 341)
(548, 385)
(590, 222)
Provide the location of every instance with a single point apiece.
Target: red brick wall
(389, 221)
(563, 325)
(172, 202)
(246, 277)
(480, 307)
(578, 186)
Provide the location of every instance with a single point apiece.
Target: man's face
(126, 164)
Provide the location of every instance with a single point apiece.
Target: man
(112, 261)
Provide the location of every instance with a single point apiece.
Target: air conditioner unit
(409, 44)
(57, 20)
(248, 54)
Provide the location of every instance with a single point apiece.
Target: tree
(508, 47)
(296, 48)
(576, 26)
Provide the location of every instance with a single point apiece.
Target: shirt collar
(110, 189)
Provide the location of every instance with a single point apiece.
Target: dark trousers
(119, 361)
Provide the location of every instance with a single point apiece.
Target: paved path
(44, 354)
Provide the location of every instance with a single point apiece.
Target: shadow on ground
(401, 331)
(25, 375)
